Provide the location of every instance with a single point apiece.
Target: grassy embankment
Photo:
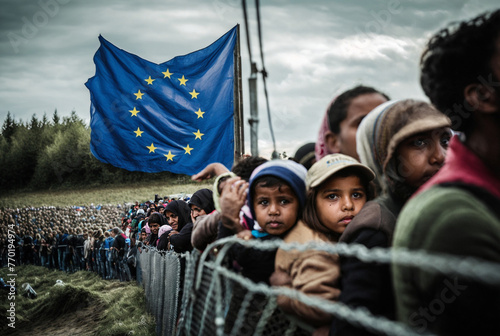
(105, 195)
(85, 305)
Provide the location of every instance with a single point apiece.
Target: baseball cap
(332, 164)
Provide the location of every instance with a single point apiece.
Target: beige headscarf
(365, 143)
(215, 189)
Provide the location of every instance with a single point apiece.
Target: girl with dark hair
(154, 222)
(338, 187)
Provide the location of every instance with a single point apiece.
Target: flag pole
(239, 146)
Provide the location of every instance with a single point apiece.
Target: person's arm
(313, 273)
(212, 170)
(205, 230)
(182, 241)
(233, 198)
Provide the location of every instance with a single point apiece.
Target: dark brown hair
(310, 214)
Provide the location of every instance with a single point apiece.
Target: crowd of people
(67, 239)
(383, 173)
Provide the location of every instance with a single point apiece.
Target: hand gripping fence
(218, 301)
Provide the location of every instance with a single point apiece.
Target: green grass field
(105, 195)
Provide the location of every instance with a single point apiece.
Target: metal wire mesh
(218, 301)
(221, 305)
(161, 277)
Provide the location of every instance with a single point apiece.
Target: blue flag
(176, 116)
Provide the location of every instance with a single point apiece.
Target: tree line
(43, 154)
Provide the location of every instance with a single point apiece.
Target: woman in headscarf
(201, 203)
(178, 215)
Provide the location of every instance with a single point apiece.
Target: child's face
(276, 208)
(154, 227)
(339, 199)
(422, 155)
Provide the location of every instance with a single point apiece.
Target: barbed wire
(468, 267)
(356, 316)
(472, 268)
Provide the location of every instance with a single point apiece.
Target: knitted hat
(332, 164)
(293, 173)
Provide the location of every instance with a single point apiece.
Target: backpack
(134, 223)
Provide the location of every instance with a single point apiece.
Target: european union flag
(176, 116)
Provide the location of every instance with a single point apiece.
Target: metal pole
(239, 144)
(254, 112)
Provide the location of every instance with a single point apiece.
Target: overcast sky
(313, 50)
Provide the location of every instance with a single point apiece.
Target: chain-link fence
(215, 300)
(161, 277)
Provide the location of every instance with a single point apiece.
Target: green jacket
(447, 220)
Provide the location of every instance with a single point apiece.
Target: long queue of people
(71, 239)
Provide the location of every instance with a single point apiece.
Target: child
(206, 227)
(163, 233)
(338, 187)
(276, 197)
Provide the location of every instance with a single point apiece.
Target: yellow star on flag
(139, 132)
(169, 156)
(150, 81)
(183, 80)
(167, 74)
(198, 135)
(199, 113)
(151, 148)
(134, 112)
(187, 149)
(139, 95)
(194, 94)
